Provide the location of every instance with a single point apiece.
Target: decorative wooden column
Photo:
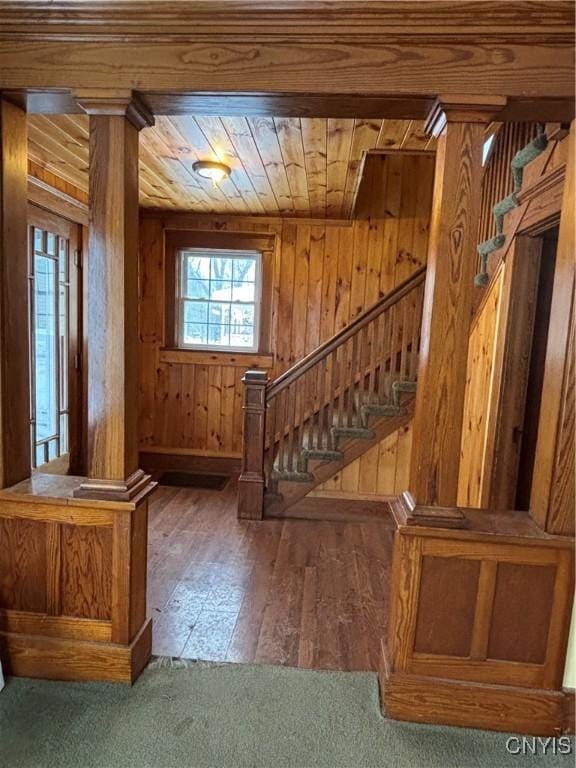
(458, 123)
(14, 321)
(251, 481)
(113, 471)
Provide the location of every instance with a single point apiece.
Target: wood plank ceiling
(289, 166)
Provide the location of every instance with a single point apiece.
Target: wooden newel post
(251, 482)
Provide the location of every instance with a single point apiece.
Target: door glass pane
(63, 348)
(49, 346)
(45, 347)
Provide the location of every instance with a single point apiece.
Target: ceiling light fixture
(208, 169)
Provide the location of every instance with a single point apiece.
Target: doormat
(194, 480)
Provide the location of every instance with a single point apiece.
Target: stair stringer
(278, 504)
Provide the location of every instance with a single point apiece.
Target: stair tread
(405, 386)
(292, 476)
(354, 431)
(328, 454)
(390, 409)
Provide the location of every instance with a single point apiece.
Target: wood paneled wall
(479, 379)
(382, 471)
(325, 273)
(56, 182)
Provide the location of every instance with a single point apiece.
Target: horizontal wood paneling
(289, 166)
(325, 273)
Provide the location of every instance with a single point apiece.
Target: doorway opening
(530, 422)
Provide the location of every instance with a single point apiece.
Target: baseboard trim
(155, 463)
(59, 658)
(473, 705)
(334, 510)
(349, 495)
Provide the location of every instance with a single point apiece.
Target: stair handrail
(339, 338)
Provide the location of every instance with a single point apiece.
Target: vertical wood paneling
(324, 273)
(497, 182)
(479, 376)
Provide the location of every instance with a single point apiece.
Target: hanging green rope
(520, 160)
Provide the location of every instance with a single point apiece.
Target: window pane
(63, 331)
(45, 348)
(219, 313)
(219, 335)
(63, 259)
(40, 456)
(242, 314)
(195, 312)
(220, 290)
(243, 292)
(195, 333)
(64, 433)
(244, 270)
(242, 336)
(51, 244)
(197, 289)
(52, 450)
(198, 268)
(222, 269)
(38, 240)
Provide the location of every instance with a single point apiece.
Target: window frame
(180, 299)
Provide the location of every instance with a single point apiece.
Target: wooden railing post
(251, 481)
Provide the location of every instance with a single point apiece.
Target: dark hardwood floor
(305, 593)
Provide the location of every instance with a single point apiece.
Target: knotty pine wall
(325, 273)
(59, 184)
(479, 378)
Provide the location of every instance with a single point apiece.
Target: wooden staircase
(332, 406)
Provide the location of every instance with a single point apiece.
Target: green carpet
(230, 716)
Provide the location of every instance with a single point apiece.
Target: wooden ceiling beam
(320, 19)
(382, 49)
(342, 106)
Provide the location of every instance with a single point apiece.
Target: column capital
(115, 102)
(462, 109)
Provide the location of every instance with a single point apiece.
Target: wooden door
(54, 270)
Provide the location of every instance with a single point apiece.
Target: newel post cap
(259, 378)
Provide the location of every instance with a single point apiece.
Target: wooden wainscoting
(479, 624)
(72, 583)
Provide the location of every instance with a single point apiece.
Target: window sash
(182, 299)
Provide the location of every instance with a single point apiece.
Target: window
(218, 299)
(487, 148)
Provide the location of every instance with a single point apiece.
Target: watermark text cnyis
(540, 745)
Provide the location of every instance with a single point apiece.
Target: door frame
(512, 354)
